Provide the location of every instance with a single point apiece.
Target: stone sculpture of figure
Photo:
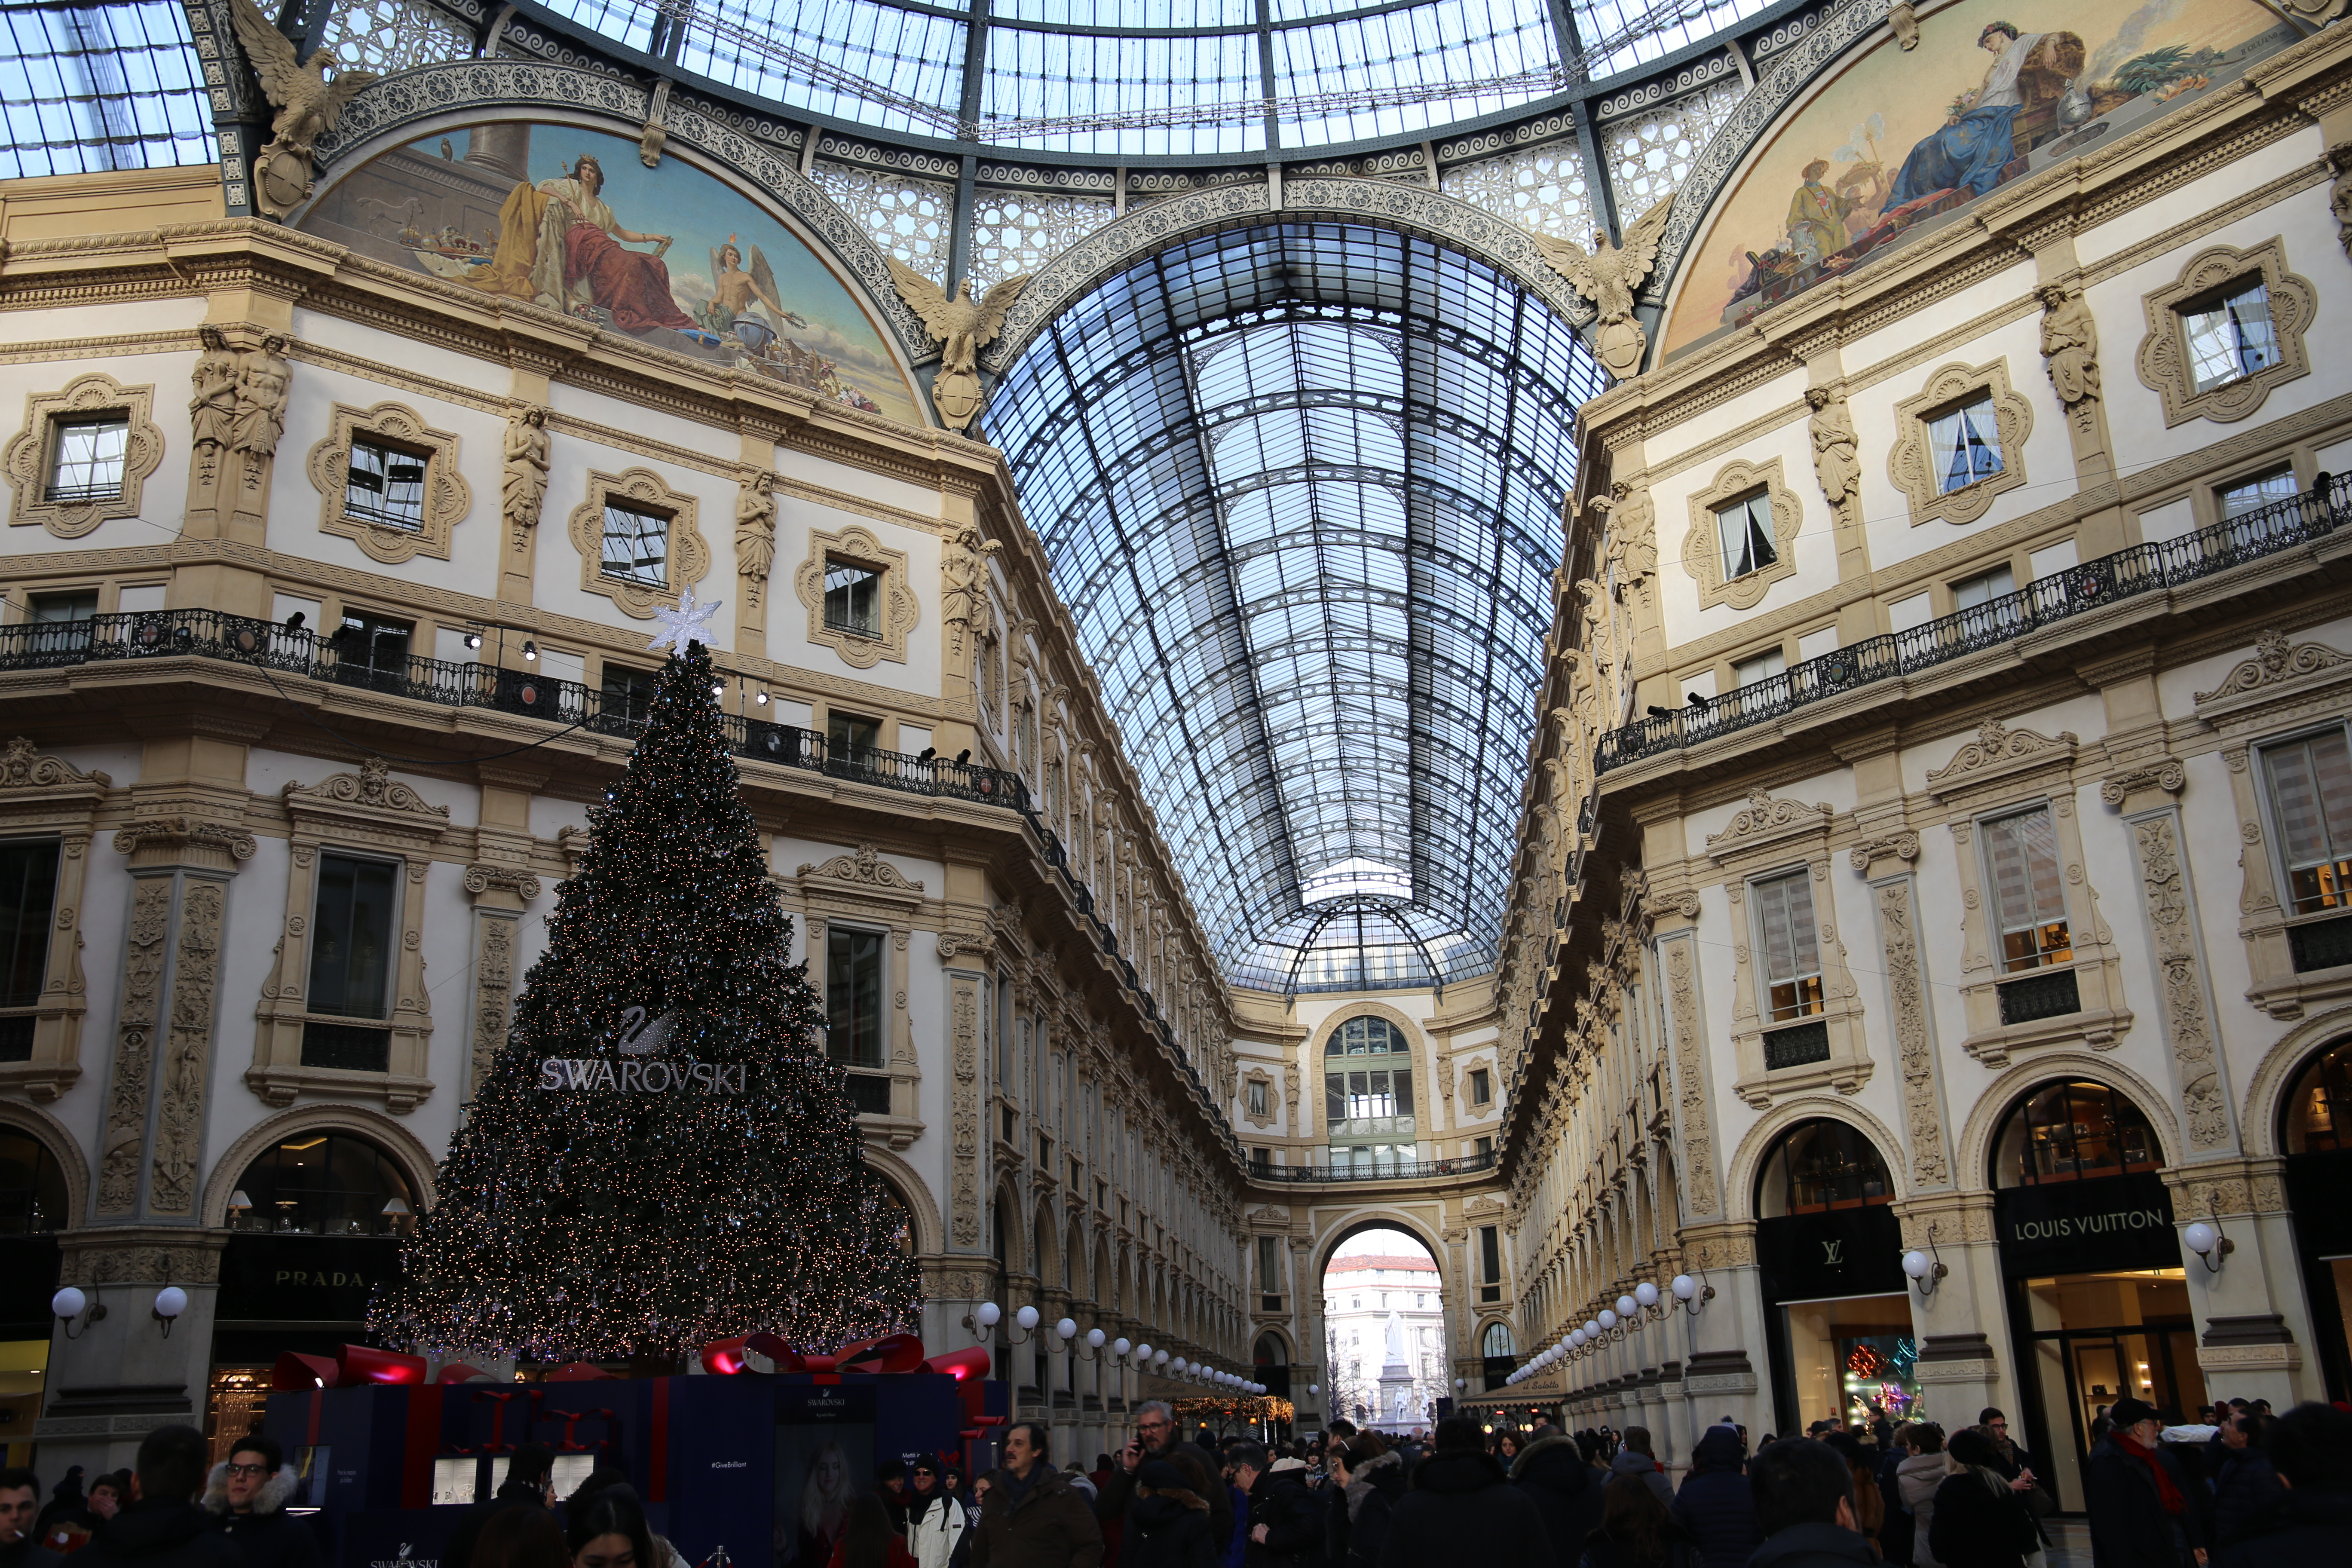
(212, 411)
(1599, 639)
(263, 381)
(2339, 194)
(755, 534)
(1632, 547)
(1837, 459)
(2070, 346)
(964, 571)
(1607, 275)
(525, 486)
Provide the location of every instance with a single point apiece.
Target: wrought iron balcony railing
(2095, 584)
(1393, 1171)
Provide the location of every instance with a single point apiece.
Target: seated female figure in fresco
(1976, 141)
(561, 246)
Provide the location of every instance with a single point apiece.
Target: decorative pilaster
(963, 1121)
(501, 895)
(1909, 1015)
(2188, 1011)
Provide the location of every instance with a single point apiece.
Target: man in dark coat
(247, 1496)
(528, 1473)
(2311, 1521)
(2245, 1482)
(1461, 1503)
(2142, 1511)
(1566, 1492)
(1284, 1527)
(1155, 1438)
(1034, 1517)
(20, 1547)
(1716, 1506)
(1803, 1492)
(163, 1528)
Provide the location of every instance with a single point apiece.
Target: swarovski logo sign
(638, 1037)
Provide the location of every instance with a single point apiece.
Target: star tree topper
(690, 622)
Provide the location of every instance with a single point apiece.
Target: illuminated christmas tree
(662, 1154)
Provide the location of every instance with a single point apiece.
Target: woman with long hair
(825, 1505)
(1637, 1531)
(610, 1532)
(866, 1539)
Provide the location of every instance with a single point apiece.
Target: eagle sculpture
(963, 326)
(1608, 275)
(308, 106)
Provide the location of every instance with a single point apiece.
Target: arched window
(31, 1187)
(1497, 1342)
(2072, 1132)
(323, 1184)
(1820, 1165)
(1270, 1351)
(2319, 1106)
(1367, 1109)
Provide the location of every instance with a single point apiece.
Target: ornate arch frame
(922, 1208)
(398, 1144)
(1310, 1120)
(1377, 1218)
(52, 1135)
(2266, 1089)
(1998, 1098)
(1747, 1159)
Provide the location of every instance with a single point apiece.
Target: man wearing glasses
(1155, 1438)
(247, 1495)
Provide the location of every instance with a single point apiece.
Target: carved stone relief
(963, 1006)
(2189, 1028)
(1915, 1046)
(2070, 353)
(1690, 1072)
(180, 1109)
(127, 1090)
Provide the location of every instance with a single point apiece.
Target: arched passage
(1384, 1328)
(2315, 1133)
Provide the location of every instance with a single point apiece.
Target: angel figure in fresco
(1608, 276)
(560, 245)
(734, 292)
(1977, 138)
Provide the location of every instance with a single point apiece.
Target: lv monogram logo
(1832, 1253)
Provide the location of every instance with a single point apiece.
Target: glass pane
(636, 547)
(2311, 795)
(853, 599)
(28, 887)
(1964, 445)
(386, 487)
(89, 459)
(2029, 896)
(852, 996)
(352, 939)
(2253, 495)
(1981, 589)
(1746, 528)
(2232, 337)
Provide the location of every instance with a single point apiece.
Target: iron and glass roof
(1301, 485)
(90, 88)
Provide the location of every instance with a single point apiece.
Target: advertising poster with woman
(824, 1456)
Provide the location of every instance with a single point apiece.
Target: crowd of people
(2243, 1490)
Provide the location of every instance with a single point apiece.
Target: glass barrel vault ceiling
(1301, 488)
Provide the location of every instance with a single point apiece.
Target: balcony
(1399, 1171)
(2285, 525)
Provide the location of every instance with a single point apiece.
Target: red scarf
(2166, 1492)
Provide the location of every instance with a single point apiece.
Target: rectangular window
(1971, 591)
(1482, 1086)
(847, 733)
(1964, 444)
(853, 598)
(28, 893)
(636, 546)
(2029, 893)
(1257, 1099)
(1745, 527)
(1269, 1263)
(1490, 1255)
(852, 996)
(63, 624)
(1791, 945)
(352, 936)
(1484, 1149)
(2230, 334)
(371, 649)
(385, 486)
(2253, 495)
(1763, 667)
(2311, 799)
(87, 462)
(81, 605)
(628, 694)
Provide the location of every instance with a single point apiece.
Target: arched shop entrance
(1837, 1310)
(2098, 1304)
(32, 1210)
(2316, 1134)
(1384, 1328)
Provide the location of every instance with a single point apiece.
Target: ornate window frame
(860, 889)
(2163, 357)
(900, 610)
(2000, 772)
(1703, 545)
(370, 813)
(1767, 838)
(41, 796)
(2284, 690)
(447, 495)
(1906, 461)
(689, 553)
(1257, 1078)
(26, 462)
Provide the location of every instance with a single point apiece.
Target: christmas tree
(662, 1154)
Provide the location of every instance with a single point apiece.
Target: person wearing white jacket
(935, 1521)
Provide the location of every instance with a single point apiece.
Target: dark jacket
(1977, 1527)
(1293, 1527)
(2244, 1485)
(266, 1535)
(1112, 1501)
(1365, 1508)
(1167, 1530)
(2297, 1529)
(1716, 1503)
(158, 1535)
(27, 1551)
(1644, 1469)
(1895, 1527)
(1602, 1551)
(1459, 1500)
(1049, 1527)
(459, 1553)
(1555, 1478)
(1814, 1546)
(2129, 1528)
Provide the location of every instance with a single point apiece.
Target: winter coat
(1602, 1551)
(2297, 1529)
(1917, 1478)
(1459, 1500)
(1565, 1490)
(459, 1552)
(1814, 1546)
(1365, 1507)
(1112, 1503)
(935, 1528)
(1281, 1501)
(160, 1534)
(1977, 1527)
(27, 1551)
(1895, 1531)
(1167, 1530)
(1645, 1469)
(2246, 1484)
(2129, 1528)
(267, 1536)
(1050, 1527)
(1716, 1503)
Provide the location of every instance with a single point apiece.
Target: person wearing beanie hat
(935, 1520)
(2138, 1497)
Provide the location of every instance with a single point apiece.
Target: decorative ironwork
(1397, 1170)
(1796, 1046)
(2321, 945)
(2039, 996)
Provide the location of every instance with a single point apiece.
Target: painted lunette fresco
(569, 219)
(1996, 89)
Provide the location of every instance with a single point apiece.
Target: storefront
(2098, 1301)
(1837, 1311)
(32, 1209)
(2318, 1144)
